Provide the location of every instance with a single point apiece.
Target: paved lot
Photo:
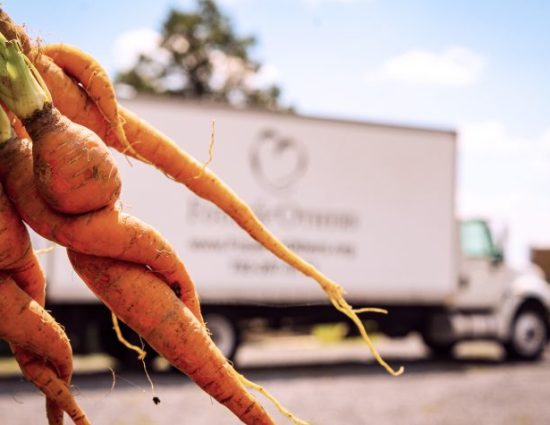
(324, 384)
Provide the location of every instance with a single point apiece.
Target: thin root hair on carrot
(341, 305)
(116, 326)
(140, 352)
(210, 151)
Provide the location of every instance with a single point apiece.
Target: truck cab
(492, 301)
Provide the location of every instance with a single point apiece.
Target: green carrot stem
(21, 87)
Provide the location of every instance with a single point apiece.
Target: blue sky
(481, 68)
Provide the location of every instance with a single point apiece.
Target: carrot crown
(21, 87)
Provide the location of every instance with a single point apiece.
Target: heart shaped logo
(277, 161)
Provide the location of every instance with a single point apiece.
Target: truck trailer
(372, 205)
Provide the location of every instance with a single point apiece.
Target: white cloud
(129, 45)
(492, 138)
(506, 177)
(455, 66)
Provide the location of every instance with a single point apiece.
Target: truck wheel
(225, 334)
(438, 349)
(528, 335)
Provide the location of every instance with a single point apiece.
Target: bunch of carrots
(58, 176)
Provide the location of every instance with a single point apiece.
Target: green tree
(201, 57)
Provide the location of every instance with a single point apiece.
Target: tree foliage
(200, 57)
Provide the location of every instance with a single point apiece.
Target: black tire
(528, 334)
(225, 334)
(439, 349)
(442, 345)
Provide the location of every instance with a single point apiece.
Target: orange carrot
(74, 170)
(67, 92)
(41, 346)
(94, 79)
(75, 173)
(33, 329)
(144, 303)
(16, 254)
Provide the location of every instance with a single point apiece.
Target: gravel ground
(324, 384)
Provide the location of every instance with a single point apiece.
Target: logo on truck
(277, 161)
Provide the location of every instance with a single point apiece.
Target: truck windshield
(475, 239)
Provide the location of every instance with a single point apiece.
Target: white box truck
(371, 205)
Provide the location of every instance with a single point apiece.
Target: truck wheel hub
(530, 333)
